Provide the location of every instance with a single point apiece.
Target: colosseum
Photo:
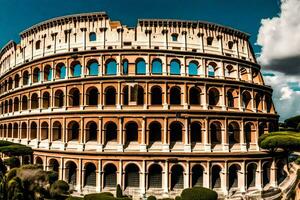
(162, 106)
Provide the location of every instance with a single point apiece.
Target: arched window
(10, 83)
(196, 133)
(175, 67)
(216, 133)
(132, 176)
(266, 173)
(59, 99)
(156, 66)
(258, 102)
(249, 136)
(193, 68)
(140, 66)
(110, 132)
(156, 95)
(132, 132)
(39, 161)
(17, 80)
(25, 78)
(47, 73)
(251, 175)
(268, 101)
(33, 130)
(214, 96)
(23, 130)
(44, 131)
(46, 100)
(155, 176)
(216, 177)
(111, 67)
(197, 176)
(15, 130)
(36, 75)
(175, 96)
(73, 131)
(92, 96)
(54, 165)
(110, 176)
(246, 98)
(91, 131)
(154, 132)
(234, 133)
(16, 104)
(140, 99)
(230, 99)
(24, 103)
(174, 37)
(211, 68)
(93, 67)
(60, 71)
(34, 101)
(281, 174)
(57, 130)
(75, 69)
(233, 176)
(228, 70)
(10, 105)
(125, 67)
(90, 175)
(71, 172)
(194, 96)
(125, 95)
(175, 133)
(92, 37)
(110, 96)
(177, 177)
(74, 97)
(209, 41)
(38, 45)
(9, 131)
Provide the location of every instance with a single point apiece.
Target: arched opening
(251, 175)
(230, 99)
(73, 131)
(193, 68)
(258, 102)
(110, 96)
(53, 165)
(38, 45)
(92, 67)
(175, 67)
(177, 177)
(92, 96)
(175, 133)
(194, 96)
(244, 74)
(33, 131)
(197, 176)
(132, 132)
(47, 73)
(211, 69)
(132, 176)
(71, 172)
(91, 131)
(46, 100)
(25, 78)
(60, 71)
(154, 132)
(92, 37)
(24, 130)
(75, 69)
(246, 98)
(10, 105)
(59, 99)
(16, 104)
(229, 71)
(9, 132)
(175, 96)
(266, 173)
(110, 132)
(214, 96)
(125, 66)
(156, 95)
(17, 80)
(44, 131)
(39, 161)
(234, 133)
(111, 67)
(110, 176)
(215, 133)
(74, 97)
(196, 133)
(216, 177)
(249, 134)
(36, 75)
(125, 95)
(261, 128)
(34, 101)
(280, 172)
(155, 176)
(156, 66)
(24, 103)
(269, 103)
(15, 130)
(140, 99)
(140, 66)
(90, 175)
(10, 83)
(233, 176)
(57, 131)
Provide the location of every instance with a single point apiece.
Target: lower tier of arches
(164, 174)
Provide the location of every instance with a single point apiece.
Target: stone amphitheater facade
(156, 108)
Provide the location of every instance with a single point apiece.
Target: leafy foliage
(198, 193)
(58, 189)
(12, 162)
(16, 150)
(292, 122)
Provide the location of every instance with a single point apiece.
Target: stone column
(166, 178)
(166, 146)
(143, 146)
(225, 137)
(187, 176)
(119, 94)
(100, 136)
(187, 140)
(207, 143)
(273, 174)
(99, 177)
(242, 178)
(120, 137)
(143, 179)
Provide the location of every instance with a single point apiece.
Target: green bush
(297, 161)
(198, 193)
(100, 196)
(178, 198)
(59, 188)
(74, 198)
(12, 162)
(16, 150)
(5, 143)
(52, 177)
(292, 122)
(11, 174)
(123, 198)
(119, 192)
(151, 198)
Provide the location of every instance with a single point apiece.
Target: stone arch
(74, 97)
(44, 131)
(110, 176)
(39, 161)
(92, 67)
(258, 102)
(24, 130)
(249, 133)
(92, 96)
(233, 175)
(111, 67)
(233, 133)
(16, 104)
(175, 67)
(24, 102)
(17, 80)
(215, 129)
(213, 96)
(140, 99)
(75, 69)
(155, 132)
(15, 130)
(155, 176)
(195, 96)
(266, 172)
(232, 98)
(9, 131)
(196, 133)
(156, 95)
(59, 98)
(176, 133)
(47, 73)
(132, 132)
(46, 100)
(73, 131)
(34, 101)
(36, 75)
(140, 66)
(193, 68)
(281, 174)
(156, 66)
(125, 95)
(177, 177)
(175, 95)
(132, 176)
(246, 100)
(90, 175)
(53, 165)
(251, 175)
(212, 69)
(110, 96)
(91, 131)
(197, 175)
(71, 173)
(33, 130)
(216, 176)
(110, 130)
(56, 131)
(60, 70)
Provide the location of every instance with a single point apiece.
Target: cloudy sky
(274, 26)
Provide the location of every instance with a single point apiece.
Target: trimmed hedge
(198, 193)
(99, 196)
(151, 198)
(16, 150)
(74, 198)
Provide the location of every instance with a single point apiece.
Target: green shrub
(178, 198)
(119, 192)
(5, 143)
(297, 161)
(11, 174)
(151, 198)
(166, 199)
(59, 188)
(74, 198)
(123, 198)
(16, 150)
(12, 162)
(100, 196)
(198, 193)
(52, 177)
